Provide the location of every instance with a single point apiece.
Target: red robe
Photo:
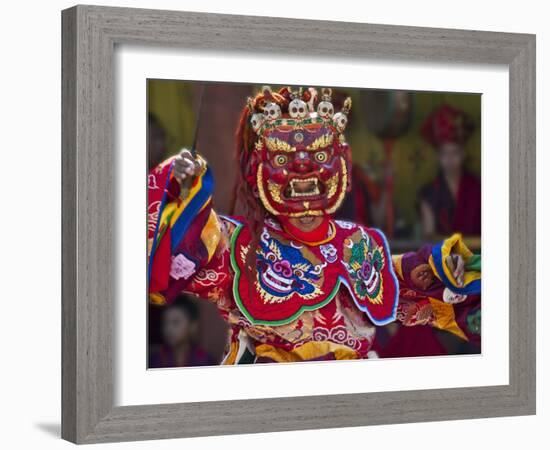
(306, 300)
(462, 215)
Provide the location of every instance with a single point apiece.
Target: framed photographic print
(277, 224)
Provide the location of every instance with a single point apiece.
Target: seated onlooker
(179, 329)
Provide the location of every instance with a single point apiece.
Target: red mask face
(301, 170)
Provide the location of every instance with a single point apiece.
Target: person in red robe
(452, 202)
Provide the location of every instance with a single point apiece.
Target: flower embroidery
(215, 294)
(329, 252)
(364, 261)
(181, 267)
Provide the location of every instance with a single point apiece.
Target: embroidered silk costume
(287, 294)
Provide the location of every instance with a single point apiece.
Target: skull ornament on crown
(293, 153)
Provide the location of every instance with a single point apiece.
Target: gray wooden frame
(90, 34)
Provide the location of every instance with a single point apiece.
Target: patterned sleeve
(184, 232)
(430, 295)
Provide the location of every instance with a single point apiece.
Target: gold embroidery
(359, 248)
(265, 202)
(306, 352)
(275, 191)
(296, 331)
(321, 142)
(277, 145)
(244, 252)
(275, 249)
(344, 186)
(211, 234)
(216, 294)
(261, 192)
(332, 185)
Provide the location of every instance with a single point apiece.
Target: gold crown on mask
(297, 113)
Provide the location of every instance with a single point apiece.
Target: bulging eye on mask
(300, 161)
(302, 172)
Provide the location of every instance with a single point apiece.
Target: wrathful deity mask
(299, 164)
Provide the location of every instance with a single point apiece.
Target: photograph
(304, 223)
(261, 225)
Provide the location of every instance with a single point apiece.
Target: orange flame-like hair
(245, 188)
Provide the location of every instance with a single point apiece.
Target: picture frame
(90, 35)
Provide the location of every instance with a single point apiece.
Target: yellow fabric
(232, 355)
(167, 212)
(149, 246)
(192, 192)
(397, 265)
(157, 299)
(445, 318)
(306, 352)
(211, 234)
(455, 245)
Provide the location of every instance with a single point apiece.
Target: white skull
(325, 109)
(272, 111)
(297, 109)
(340, 121)
(256, 121)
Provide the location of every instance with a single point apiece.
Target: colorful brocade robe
(444, 305)
(303, 302)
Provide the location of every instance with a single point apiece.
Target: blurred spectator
(361, 204)
(451, 202)
(179, 330)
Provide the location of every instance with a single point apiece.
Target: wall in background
(30, 325)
